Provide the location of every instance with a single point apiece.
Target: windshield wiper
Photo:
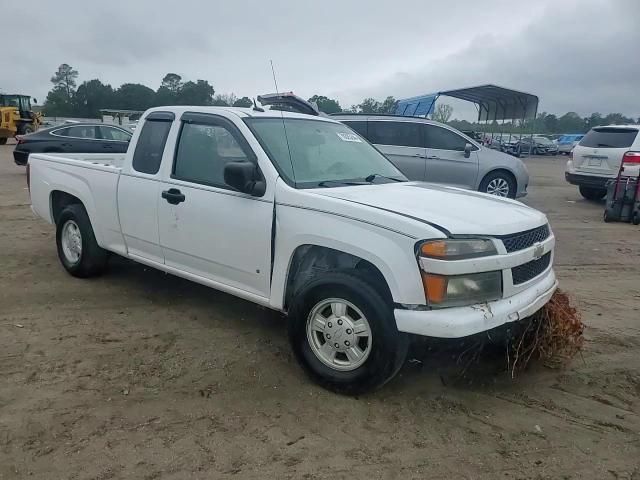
(373, 176)
(326, 183)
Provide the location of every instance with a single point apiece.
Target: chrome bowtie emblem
(538, 251)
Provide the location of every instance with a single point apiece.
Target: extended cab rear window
(150, 145)
(609, 138)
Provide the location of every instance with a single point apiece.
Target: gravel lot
(139, 374)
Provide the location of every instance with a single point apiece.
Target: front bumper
(464, 321)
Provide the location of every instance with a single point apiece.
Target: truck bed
(102, 159)
(92, 178)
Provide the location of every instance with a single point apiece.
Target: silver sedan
(433, 152)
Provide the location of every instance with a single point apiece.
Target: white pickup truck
(300, 214)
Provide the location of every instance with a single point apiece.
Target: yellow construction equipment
(16, 116)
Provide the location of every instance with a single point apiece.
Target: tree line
(67, 99)
(548, 123)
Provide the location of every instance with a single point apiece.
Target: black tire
(606, 217)
(496, 176)
(388, 348)
(92, 258)
(636, 218)
(592, 193)
(3, 140)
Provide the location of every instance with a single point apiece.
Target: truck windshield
(313, 153)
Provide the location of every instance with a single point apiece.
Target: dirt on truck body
(139, 374)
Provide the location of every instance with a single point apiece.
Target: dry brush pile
(553, 336)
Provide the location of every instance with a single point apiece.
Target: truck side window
(148, 154)
(203, 151)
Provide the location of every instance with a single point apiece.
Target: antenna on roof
(284, 126)
(274, 76)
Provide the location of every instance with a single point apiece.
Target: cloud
(575, 59)
(575, 54)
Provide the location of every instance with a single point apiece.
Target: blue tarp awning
(420, 106)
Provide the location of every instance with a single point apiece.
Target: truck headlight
(457, 249)
(459, 290)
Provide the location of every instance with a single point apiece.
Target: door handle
(107, 145)
(420, 155)
(432, 157)
(173, 196)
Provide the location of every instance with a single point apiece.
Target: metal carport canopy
(493, 102)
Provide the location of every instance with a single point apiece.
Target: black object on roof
(288, 101)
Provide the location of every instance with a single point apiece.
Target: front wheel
(343, 333)
(3, 140)
(500, 184)
(592, 193)
(78, 250)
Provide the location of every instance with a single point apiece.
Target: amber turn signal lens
(435, 287)
(434, 249)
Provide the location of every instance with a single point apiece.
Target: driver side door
(207, 228)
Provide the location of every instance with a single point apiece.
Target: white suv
(598, 156)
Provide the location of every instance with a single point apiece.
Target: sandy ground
(139, 374)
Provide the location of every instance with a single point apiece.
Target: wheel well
(310, 261)
(501, 170)
(59, 201)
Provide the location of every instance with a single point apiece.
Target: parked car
(597, 158)
(430, 151)
(494, 143)
(511, 146)
(72, 139)
(537, 145)
(474, 135)
(566, 143)
(314, 222)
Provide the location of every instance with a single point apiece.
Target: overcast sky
(580, 55)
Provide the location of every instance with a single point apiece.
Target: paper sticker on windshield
(349, 137)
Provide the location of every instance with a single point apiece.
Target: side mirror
(243, 177)
(467, 150)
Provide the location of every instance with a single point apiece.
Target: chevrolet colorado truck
(300, 214)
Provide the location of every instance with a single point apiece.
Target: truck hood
(454, 210)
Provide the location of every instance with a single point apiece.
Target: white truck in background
(300, 214)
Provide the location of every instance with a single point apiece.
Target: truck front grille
(529, 270)
(522, 240)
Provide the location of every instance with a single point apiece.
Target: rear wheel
(592, 193)
(3, 140)
(78, 250)
(499, 183)
(343, 333)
